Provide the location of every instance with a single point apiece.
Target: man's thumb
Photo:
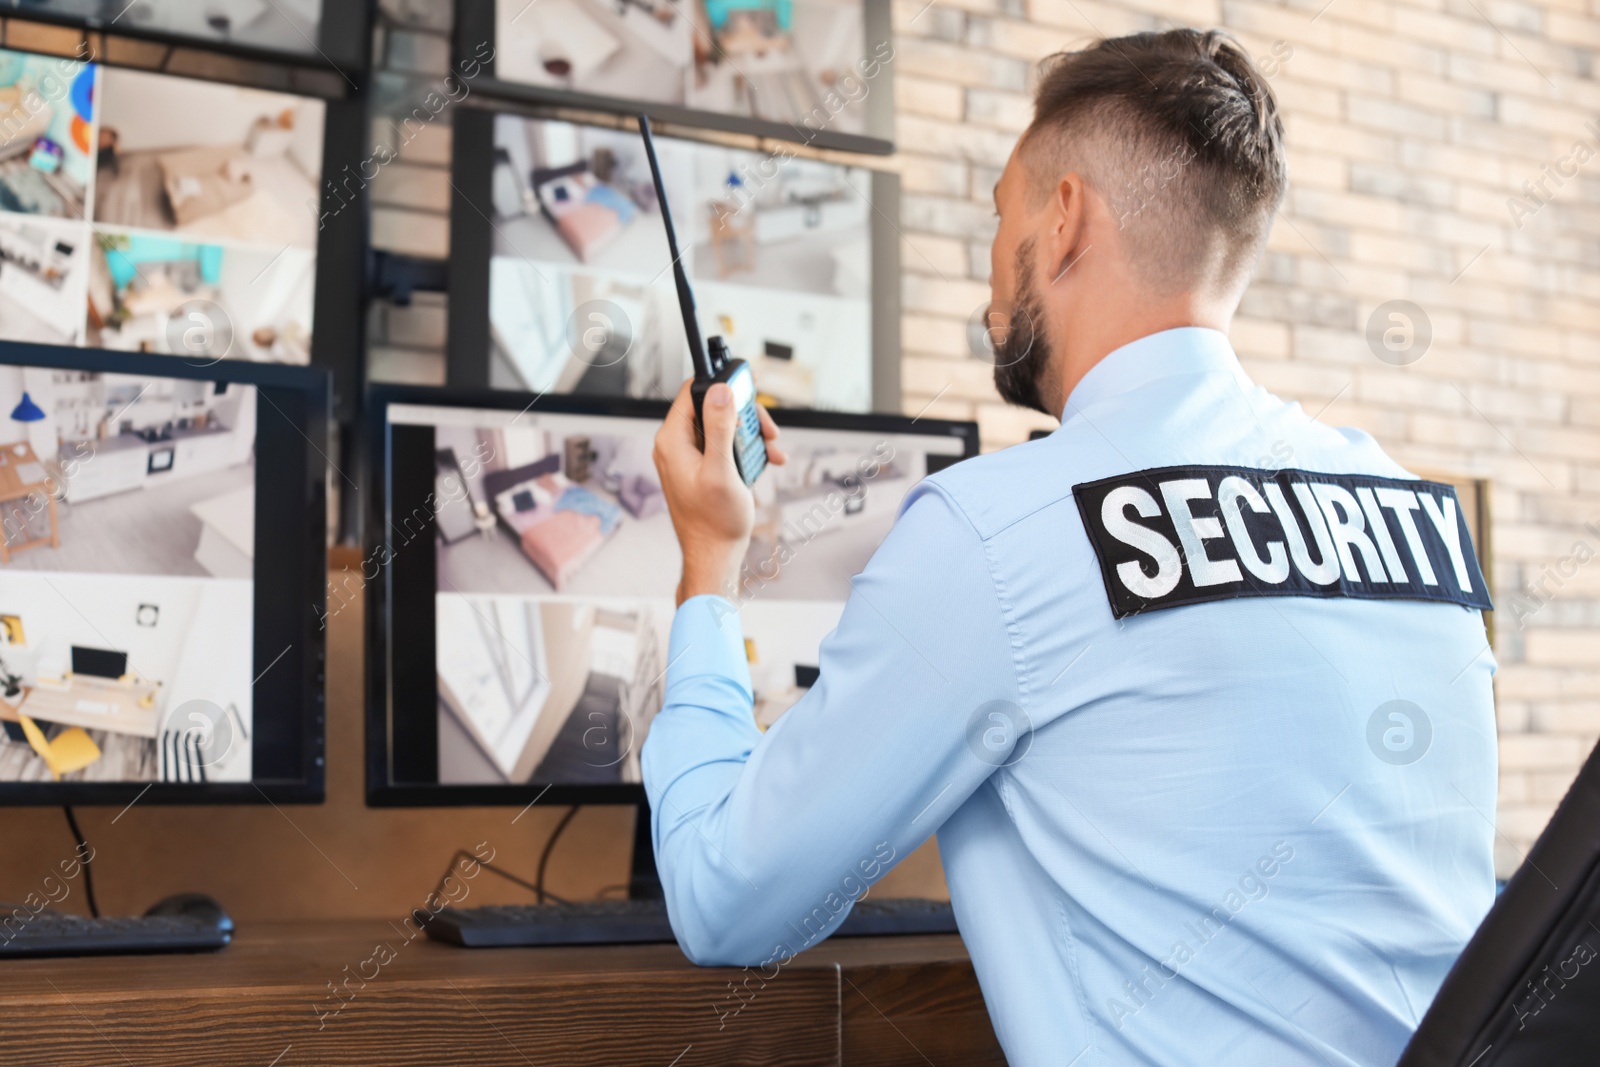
(720, 421)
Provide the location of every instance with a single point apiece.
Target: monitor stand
(644, 883)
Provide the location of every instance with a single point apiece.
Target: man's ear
(1067, 226)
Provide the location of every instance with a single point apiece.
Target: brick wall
(1412, 129)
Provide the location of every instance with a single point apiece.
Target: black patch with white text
(1187, 535)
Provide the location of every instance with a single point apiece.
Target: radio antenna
(691, 321)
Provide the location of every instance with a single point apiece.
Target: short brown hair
(1179, 125)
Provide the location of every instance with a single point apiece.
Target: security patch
(1187, 535)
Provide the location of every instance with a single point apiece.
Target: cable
(463, 854)
(85, 856)
(544, 857)
(537, 887)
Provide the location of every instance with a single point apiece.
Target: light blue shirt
(1195, 855)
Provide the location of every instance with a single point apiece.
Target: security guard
(1207, 738)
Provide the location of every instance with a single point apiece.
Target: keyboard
(51, 933)
(620, 922)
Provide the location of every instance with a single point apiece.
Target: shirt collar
(1184, 350)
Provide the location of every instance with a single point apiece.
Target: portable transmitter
(712, 364)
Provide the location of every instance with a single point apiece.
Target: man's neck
(1089, 340)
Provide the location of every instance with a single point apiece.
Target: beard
(1022, 356)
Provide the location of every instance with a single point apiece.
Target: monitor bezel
(382, 791)
(309, 787)
(475, 27)
(468, 346)
(338, 314)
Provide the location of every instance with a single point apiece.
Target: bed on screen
(558, 524)
(587, 212)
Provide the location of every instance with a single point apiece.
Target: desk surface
(111, 706)
(362, 993)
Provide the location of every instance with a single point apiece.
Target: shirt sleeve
(764, 841)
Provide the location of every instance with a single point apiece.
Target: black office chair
(1525, 991)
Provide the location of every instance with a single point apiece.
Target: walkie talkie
(712, 364)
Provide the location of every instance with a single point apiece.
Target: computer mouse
(197, 905)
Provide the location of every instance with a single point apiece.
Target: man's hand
(712, 509)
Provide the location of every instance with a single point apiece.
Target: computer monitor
(99, 662)
(818, 72)
(315, 33)
(160, 632)
(521, 575)
(561, 281)
(146, 212)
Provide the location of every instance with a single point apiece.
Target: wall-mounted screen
(150, 213)
(531, 567)
(291, 27)
(789, 259)
(815, 71)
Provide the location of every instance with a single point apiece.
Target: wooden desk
(14, 487)
(122, 713)
(857, 1002)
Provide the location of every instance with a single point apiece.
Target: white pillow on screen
(564, 194)
(505, 501)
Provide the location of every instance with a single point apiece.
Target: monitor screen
(531, 570)
(128, 223)
(293, 27)
(786, 257)
(99, 662)
(815, 72)
(137, 513)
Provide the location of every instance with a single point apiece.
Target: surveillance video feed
(805, 64)
(556, 566)
(126, 577)
(292, 26)
(127, 224)
(581, 293)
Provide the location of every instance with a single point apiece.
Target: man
(1209, 745)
